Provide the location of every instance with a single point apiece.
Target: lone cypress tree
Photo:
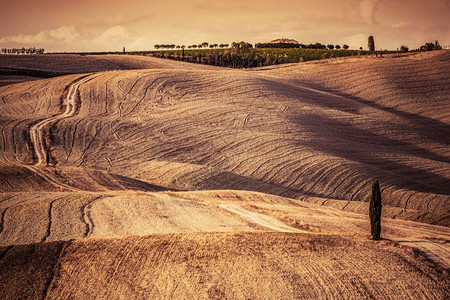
(375, 211)
(371, 44)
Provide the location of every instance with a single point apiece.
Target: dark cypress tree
(371, 44)
(375, 211)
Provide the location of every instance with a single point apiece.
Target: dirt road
(259, 219)
(36, 131)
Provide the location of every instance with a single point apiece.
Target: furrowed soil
(135, 177)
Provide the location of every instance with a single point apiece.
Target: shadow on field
(338, 138)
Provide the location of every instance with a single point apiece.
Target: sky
(109, 25)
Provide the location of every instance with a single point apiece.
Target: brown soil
(164, 179)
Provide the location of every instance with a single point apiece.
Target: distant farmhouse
(283, 41)
(279, 43)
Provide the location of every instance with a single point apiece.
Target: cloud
(355, 41)
(71, 38)
(222, 7)
(368, 9)
(402, 24)
(113, 38)
(205, 5)
(116, 32)
(120, 19)
(63, 34)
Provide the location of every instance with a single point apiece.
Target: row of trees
(23, 50)
(239, 55)
(303, 46)
(371, 46)
(244, 55)
(199, 46)
(206, 45)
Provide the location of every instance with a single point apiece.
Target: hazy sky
(108, 25)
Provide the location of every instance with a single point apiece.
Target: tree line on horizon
(371, 46)
(206, 45)
(194, 46)
(23, 50)
(303, 46)
(245, 55)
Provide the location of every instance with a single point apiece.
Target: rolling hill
(138, 177)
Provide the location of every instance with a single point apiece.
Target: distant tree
(330, 46)
(226, 45)
(178, 47)
(241, 47)
(157, 47)
(337, 47)
(360, 48)
(189, 47)
(319, 46)
(211, 46)
(200, 46)
(404, 48)
(427, 47)
(375, 211)
(345, 47)
(371, 44)
(194, 46)
(205, 44)
(437, 46)
(431, 46)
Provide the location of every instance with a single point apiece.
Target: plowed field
(135, 177)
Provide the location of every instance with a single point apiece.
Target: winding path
(36, 131)
(260, 219)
